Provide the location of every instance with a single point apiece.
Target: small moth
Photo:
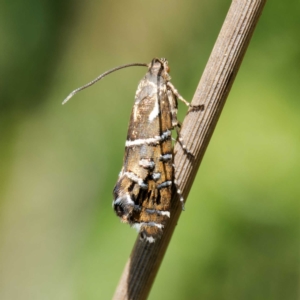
(143, 192)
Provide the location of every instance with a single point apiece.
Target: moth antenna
(100, 77)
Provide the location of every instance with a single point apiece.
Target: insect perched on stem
(143, 192)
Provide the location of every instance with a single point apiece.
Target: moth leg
(181, 141)
(178, 190)
(178, 96)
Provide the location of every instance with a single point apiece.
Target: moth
(143, 192)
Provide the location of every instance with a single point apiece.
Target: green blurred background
(59, 238)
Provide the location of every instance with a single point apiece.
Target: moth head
(160, 67)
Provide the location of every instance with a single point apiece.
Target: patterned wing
(143, 191)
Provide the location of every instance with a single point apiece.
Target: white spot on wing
(126, 199)
(146, 163)
(165, 157)
(153, 140)
(156, 176)
(150, 239)
(137, 226)
(136, 179)
(165, 213)
(154, 113)
(164, 184)
(159, 212)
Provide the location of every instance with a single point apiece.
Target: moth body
(142, 194)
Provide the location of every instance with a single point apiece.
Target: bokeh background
(59, 238)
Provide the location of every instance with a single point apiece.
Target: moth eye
(168, 69)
